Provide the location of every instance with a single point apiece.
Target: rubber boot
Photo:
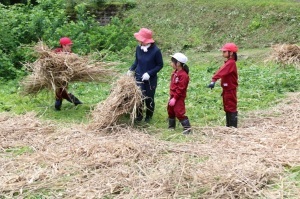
(172, 123)
(74, 99)
(234, 119)
(186, 126)
(149, 115)
(228, 119)
(57, 104)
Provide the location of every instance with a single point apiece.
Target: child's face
(67, 48)
(173, 65)
(227, 54)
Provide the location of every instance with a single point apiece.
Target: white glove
(145, 77)
(130, 73)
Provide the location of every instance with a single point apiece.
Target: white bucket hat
(180, 57)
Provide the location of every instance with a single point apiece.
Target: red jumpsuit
(61, 93)
(178, 89)
(229, 82)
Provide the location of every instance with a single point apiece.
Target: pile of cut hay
(218, 162)
(286, 54)
(55, 70)
(125, 98)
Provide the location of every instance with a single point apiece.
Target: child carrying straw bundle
(53, 71)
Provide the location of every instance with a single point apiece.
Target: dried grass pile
(286, 54)
(54, 70)
(125, 98)
(219, 162)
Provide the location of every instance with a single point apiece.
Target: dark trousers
(148, 95)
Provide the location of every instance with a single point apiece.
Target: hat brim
(142, 39)
(224, 49)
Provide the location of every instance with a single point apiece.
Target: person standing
(62, 93)
(229, 82)
(178, 90)
(148, 62)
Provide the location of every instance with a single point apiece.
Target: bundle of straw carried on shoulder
(54, 70)
(287, 54)
(125, 98)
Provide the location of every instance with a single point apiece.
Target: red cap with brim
(229, 47)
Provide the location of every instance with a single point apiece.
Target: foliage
(11, 2)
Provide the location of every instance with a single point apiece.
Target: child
(229, 82)
(178, 88)
(62, 93)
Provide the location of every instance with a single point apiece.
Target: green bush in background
(25, 24)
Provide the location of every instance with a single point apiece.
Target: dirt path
(39, 159)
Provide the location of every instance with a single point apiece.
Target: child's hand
(211, 85)
(172, 102)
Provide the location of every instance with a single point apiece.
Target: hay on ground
(217, 162)
(55, 70)
(125, 98)
(286, 54)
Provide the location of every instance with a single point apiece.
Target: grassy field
(205, 25)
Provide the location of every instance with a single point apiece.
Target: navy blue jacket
(150, 62)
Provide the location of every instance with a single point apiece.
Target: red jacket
(179, 83)
(228, 75)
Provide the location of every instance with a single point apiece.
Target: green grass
(206, 25)
(19, 150)
(295, 175)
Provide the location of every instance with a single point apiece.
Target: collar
(145, 48)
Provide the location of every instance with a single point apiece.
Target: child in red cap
(178, 89)
(229, 83)
(62, 93)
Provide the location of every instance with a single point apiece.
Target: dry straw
(218, 162)
(55, 70)
(286, 54)
(125, 98)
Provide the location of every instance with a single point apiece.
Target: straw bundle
(55, 70)
(125, 97)
(286, 54)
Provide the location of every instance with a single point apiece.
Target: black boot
(74, 99)
(172, 123)
(234, 119)
(57, 104)
(149, 114)
(186, 126)
(227, 119)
